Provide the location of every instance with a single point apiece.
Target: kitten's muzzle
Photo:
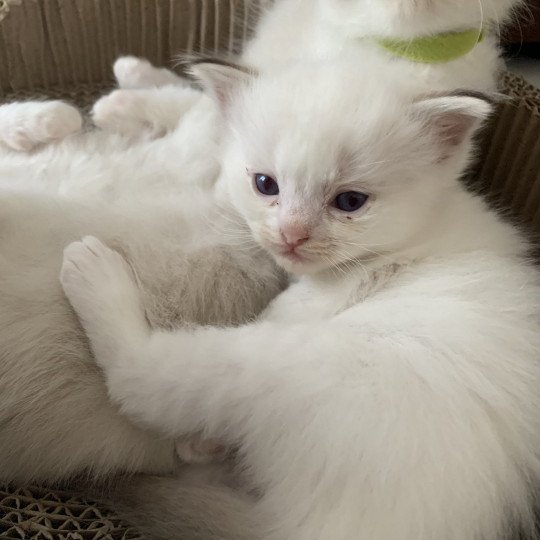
(294, 235)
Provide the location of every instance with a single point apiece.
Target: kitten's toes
(120, 112)
(99, 282)
(132, 72)
(195, 450)
(24, 126)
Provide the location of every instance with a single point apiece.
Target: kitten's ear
(453, 118)
(220, 79)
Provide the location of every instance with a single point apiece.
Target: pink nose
(294, 235)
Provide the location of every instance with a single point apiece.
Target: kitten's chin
(293, 262)
(298, 265)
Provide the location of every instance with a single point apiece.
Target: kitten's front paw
(23, 126)
(132, 72)
(122, 111)
(101, 287)
(195, 450)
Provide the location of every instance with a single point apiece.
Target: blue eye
(351, 201)
(266, 185)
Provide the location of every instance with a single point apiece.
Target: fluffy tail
(171, 509)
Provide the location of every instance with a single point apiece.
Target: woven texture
(41, 514)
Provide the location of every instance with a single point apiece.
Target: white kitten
(392, 392)
(153, 199)
(304, 29)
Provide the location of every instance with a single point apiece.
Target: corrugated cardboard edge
(44, 514)
(508, 168)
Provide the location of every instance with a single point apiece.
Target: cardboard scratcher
(65, 49)
(43, 514)
(507, 171)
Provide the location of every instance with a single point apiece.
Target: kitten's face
(313, 184)
(327, 167)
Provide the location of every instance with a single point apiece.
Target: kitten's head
(326, 166)
(408, 18)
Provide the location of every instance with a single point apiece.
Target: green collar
(435, 49)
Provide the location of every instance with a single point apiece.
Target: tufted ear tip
(220, 79)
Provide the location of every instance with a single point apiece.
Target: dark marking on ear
(186, 62)
(462, 92)
(220, 79)
(221, 62)
(493, 98)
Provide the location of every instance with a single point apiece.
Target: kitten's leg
(197, 450)
(134, 112)
(103, 291)
(101, 287)
(90, 268)
(25, 125)
(150, 100)
(183, 381)
(135, 73)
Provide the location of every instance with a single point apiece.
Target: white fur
(153, 200)
(150, 99)
(131, 112)
(133, 72)
(327, 29)
(298, 28)
(23, 126)
(110, 167)
(392, 391)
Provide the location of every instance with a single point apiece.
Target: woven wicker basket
(65, 49)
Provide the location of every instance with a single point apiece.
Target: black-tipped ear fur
(219, 78)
